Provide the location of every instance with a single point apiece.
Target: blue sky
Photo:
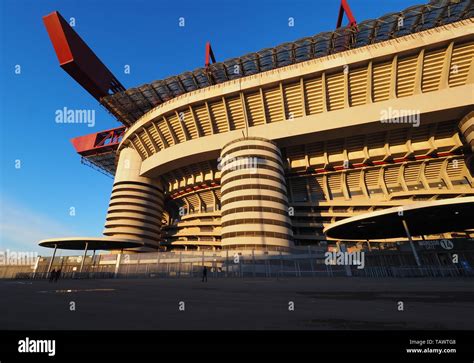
(35, 199)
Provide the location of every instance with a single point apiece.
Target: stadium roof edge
(129, 105)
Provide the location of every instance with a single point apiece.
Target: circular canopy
(93, 243)
(423, 218)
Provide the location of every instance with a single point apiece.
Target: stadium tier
(269, 150)
(128, 106)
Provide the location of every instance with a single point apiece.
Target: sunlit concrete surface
(319, 303)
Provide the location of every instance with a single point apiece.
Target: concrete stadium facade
(350, 123)
(385, 125)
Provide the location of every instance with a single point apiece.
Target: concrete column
(136, 203)
(254, 202)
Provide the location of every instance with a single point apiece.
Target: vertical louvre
(203, 119)
(391, 179)
(432, 69)
(144, 137)
(219, 116)
(335, 91)
(188, 122)
(293, 101)
(254, 109)
(411, 175)
(177, 128)
(273, 104)
(139, 147)
(314, 96)
(406, 74)
(372, 181)
(335, 185)
(154, 134)
(358, 87)
(460, 63)
(433, 170)
(455, 168)
(353, 184)
(166, 133)
(234, 106)
(381, 81)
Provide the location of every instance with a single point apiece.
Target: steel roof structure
(98, 150)
(128, 106)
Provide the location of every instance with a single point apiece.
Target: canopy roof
(93, 243)
(422, 218)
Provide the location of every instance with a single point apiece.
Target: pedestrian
(58, 275)
(204, 274)
(52, 275)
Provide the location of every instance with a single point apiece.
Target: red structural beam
(98, 142)
(345, 8)
(78, 60)
(209, 55)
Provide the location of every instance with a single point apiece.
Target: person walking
(58, 275)
(52, 275)
(204, 274)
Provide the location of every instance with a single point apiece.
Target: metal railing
(249, 268)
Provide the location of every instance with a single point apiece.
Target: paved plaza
(291, 303)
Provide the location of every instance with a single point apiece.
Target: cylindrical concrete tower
(254, 201)
(136, 203)
(466, 126)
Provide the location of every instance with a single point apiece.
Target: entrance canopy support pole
(407, 231)
(93, 260)
(84, 257)
(52, 258)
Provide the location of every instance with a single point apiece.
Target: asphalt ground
(337, 303)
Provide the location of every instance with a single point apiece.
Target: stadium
(362, 136)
